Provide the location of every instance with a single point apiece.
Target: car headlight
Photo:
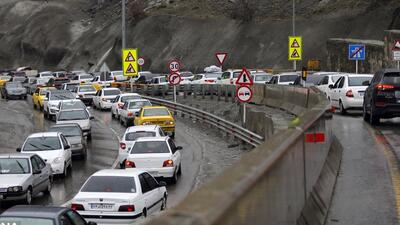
(14, 189)
(58, 160)
(169, 122)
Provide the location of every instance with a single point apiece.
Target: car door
(114, 106)
(96, 98)
(146, 195)
(155, 195)
(341, 89)
(124, 111)
(46, 170)
(137, 118)
(67, 155)
(323, 85)
(75, 218)
(37, 177)
(176, 155)
(333, 94)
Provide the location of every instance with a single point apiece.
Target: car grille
(3, 190)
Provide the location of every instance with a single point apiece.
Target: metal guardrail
(222, 124)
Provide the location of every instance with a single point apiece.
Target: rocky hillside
(75, 34)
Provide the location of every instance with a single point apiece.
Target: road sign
(244, 93)
(244, 78)
(221, 57)
(356, 52)
(174, 79)
(174, 66)
(141, 61)
(295, 48)
(129, 62)
(396, 50)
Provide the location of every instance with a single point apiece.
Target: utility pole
(294, 28)
(123, 24)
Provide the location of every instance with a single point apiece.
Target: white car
(157, 155)
(69, 86)
(133, 133)
(118, 76)
(104, 97)
(160, 80)
(348, 92)
(53, 147)
(120, 196)
(261, 77)
(78, 116)
(129, 110)
(85, 93)
(52, 101)
(328, 79)
(206, 78)
(47, 74)
(229, 77)
(82, 78)
(186, 77)
(284, 78)
(119, 102)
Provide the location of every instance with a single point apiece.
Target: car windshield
(14, 166)
(5, 78)
(156, 112)
(357, 81)
(198, 77)
(287, 78)
(73, 115)
(60, 81)
(42, 81)
(115, 184)
(19, 79)
(236, 74)
(130, 97)
(314, 79)
(42, 144)
(87, 89)
(25, 221)
(68, 131)
(391, 78)
(112, 92)
(118, 73)
(61, 96)
(86, 77)
(139, 104)
(46, 75)
(132, 136)
(265, 78)
(13, 85)
(66, 105)
(186, 74)
(148, 147)
(71, 87)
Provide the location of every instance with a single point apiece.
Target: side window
(341, 84)
(161, 132)
(75, 218)
(226, 75)
(40, 162)
(116, 99)
(65, 220)
(143, 184)
(126, 105)
(325, 80)
(150, 181)
(35, 164)
(172, 145)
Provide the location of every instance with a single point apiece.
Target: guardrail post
(233, 93)
(219, 92)
(211, 86)
(226, 92)
(185, 91)
(203, 91)
(195, 91)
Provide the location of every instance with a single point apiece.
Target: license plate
(101, 206)
(361, 93)
(397, 94)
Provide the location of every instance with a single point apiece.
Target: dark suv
(382, 97)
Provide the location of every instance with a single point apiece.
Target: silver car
(74, 135)
(127, 113)
(23, 176)
(13, 90)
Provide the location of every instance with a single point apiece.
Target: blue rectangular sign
(357, 52)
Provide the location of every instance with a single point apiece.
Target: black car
(382, 97)
(43, 215)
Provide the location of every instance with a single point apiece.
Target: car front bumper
(57, 168)
(12, 196)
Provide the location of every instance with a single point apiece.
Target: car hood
(48, 156)
(9, 180)
(16, 89)
(74, 140)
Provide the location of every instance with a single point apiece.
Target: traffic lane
(364, 193)
(18, 120)
(390, 129)
(205, 153)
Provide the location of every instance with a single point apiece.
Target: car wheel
(342, 109)
(112, 114)
(373, 118)
(94, 105)
(180, 169)
(44, 114)
(164, 203)
(144, 213)
(49, 185)
(173, 135)
(174, 178)
(120, 121)
(65, 173)
(34, 106)
(25, 97)
(365, 114)
(89, 137)
(28, 198)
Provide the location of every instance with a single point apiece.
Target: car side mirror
(18, 149)
(162, 184)
(137, 114)
(67, 147)
(88, 107)
(37, 172)
(91, 117)
(330, 86)
(178, 148)
(366, 83)
(91, 223)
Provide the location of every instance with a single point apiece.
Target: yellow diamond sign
(129, 62)
(295, 48)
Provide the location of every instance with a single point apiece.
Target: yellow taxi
(4, 79)
(38, 96)
(156, 115)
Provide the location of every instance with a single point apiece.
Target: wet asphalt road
(205, 153)
(368, 186)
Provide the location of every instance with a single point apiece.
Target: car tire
(25, 97)
(164, 203)
(28, 198)
(174, 178)
(49, 185)
(89, 137)
(365, 114)
(373, 118)
(342, 109)
(144, 213)
(173, 135)
(180, 169)
(34, 106)
(112, 114)
(65, 172)
(94, 105)
(122, 165)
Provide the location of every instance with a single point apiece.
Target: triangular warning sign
(295, 54)
(130, 58)
(295, 44)
(244, 78)
(396, 45)
(130, 69)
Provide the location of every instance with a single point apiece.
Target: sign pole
(175, 93)
(244, 114)
(356, 66)
(398, 64)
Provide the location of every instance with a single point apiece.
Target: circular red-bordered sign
(141, 61)
(174, 66)
(174, 79)
(244, 93)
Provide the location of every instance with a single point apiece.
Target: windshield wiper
(20, 166)
(33, 145)
(48, 147)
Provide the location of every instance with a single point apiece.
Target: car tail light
(231, 81)
(76, 207)
(380, 104)
(130, 113)
(209, 81)
(126, 208)
(384, 86)
(129, 164)
(120, 105)
(168, 163)
(349, 93)
(122, 145)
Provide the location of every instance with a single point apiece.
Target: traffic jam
(149, 161)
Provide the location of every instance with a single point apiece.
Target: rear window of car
(139, 104)
(73, 115)
(135, 135)
(61, 96)
(14, 166)
(86, 77)
(115, 184)
(156, 112)
(236, 74)
(112, 92)
(19, 79)
(314, 79)
(72, 105)
(391, 78)
(357, 81)
(87, 89)
(42, 144)
(265, 78)
(25, 221)
(68, 131)
(287, 78)
(130, 97)
(60, 81)
(148, 147)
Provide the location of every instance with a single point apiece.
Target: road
(205, 154)
(368, 189)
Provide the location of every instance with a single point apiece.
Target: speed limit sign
(141, 61)
(174, 66)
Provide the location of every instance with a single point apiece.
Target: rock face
(76, 34)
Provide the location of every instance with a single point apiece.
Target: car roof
(44, 134)
(145, 139)
(119, 172)
(17, 155)
(325, 73)
(35, 211)
(358, 75)
(154, 107)
(129, 94)
(65, 125)
(137, 100)
(110, 89)
(287, 74)
(141, 128)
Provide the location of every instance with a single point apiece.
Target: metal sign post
(356, 66)
(244, 114)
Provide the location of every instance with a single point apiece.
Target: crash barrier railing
(288, 179)
(211, 119)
